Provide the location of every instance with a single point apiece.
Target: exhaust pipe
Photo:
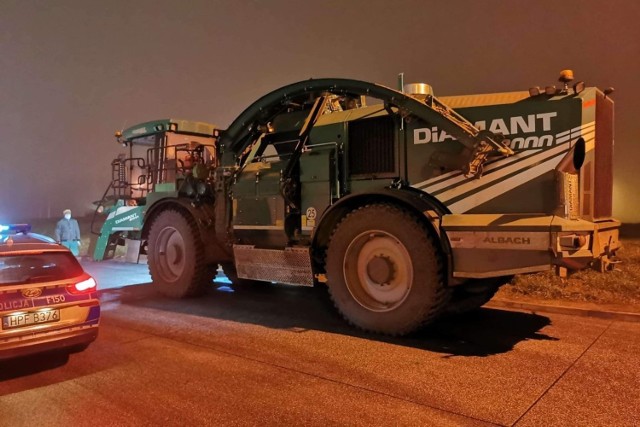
(568, 181)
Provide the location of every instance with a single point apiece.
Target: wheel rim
(378, 270)
(171, 254)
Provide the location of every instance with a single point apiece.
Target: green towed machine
(404, 205)
(165, 159)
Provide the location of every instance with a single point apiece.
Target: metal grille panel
(291, 265)
(371, 146)
(571, 195)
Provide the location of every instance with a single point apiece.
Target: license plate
(30, 318)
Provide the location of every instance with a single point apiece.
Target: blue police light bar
(15, 228)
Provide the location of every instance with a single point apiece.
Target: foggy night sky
(74, 71)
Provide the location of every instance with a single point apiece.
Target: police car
(47, 301)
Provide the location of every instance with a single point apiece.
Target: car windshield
(18, 269)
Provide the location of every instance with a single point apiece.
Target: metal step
(291, 265)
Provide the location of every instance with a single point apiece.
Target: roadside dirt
(617, 290)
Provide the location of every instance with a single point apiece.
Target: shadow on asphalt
(485, 332)
(28, 365)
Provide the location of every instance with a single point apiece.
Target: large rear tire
(176, 256)
(385, 273)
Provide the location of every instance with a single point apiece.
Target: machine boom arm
(479, 144)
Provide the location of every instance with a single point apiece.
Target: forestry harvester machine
(403, 204)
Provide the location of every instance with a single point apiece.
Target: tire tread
(442, 293)
(200, 279)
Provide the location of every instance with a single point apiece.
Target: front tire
(385, 272)
(176, 255)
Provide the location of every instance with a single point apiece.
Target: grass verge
(616, 290)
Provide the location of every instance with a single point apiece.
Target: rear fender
(424, 206)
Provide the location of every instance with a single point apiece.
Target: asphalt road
(278, 355)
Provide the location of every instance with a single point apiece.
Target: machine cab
(162, 155)
(163, 158)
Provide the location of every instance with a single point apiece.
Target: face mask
(67, 216)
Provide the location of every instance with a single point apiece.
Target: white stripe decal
(120, 210)
(471, 185)
(435, 179)
(587, 130)
(488, 192)
(494, 191)
(519, 156)
(513, 180)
